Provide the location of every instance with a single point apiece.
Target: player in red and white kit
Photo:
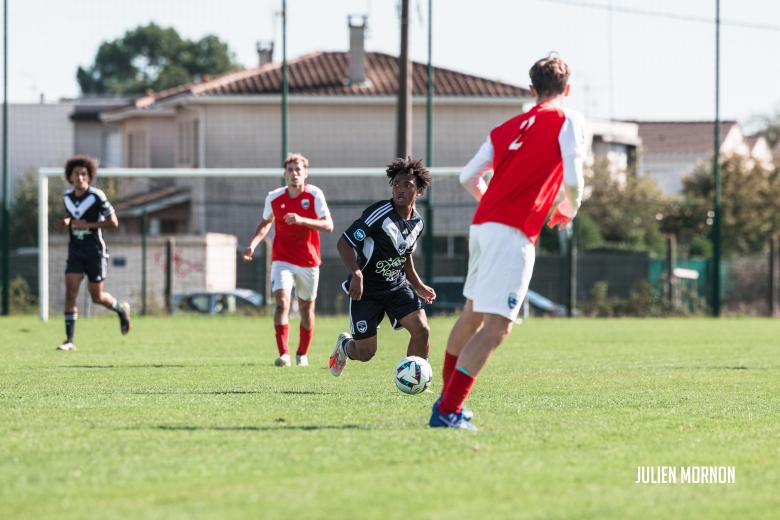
(536, 159)
(300, 212)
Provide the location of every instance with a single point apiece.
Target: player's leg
(360, 344)
(282, 282)
(469, 321)
(507, 261)
(467, 324)
(72, 284)
(96, 268)
(306, 282)
(101, 297)
(419, 333)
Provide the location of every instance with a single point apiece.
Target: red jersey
(296, 244)
(528, 154)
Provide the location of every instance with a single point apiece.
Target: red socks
(450, 361)
(281, 338)
(456, 391)
(305, 341)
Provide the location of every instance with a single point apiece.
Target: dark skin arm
(425, 292)
(347, 255)
(111, 222)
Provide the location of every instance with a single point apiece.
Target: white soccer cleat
(283, 360)
(338, 360)
(67, 347)
(302, 360)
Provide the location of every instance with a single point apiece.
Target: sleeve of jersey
(268, 211)
(471, 177)
(320, 205)
(573, 145)
(365, 225)
(106, 209)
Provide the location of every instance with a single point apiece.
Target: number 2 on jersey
(524, 126)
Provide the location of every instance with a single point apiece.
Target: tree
(770, 126)
(626, 212)
(749, 215)
(152, 57)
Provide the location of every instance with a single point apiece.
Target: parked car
(218, 302)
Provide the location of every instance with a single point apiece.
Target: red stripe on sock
(456, 392)
(450, 361)
(281, 338)
(305, 341)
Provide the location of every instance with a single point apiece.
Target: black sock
(117, 309)
(70, 324)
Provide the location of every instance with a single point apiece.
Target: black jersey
(92, 206)
(382, 240)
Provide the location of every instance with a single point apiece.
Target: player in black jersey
(377, 249)
(87, 212)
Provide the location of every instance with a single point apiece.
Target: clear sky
(662, 66)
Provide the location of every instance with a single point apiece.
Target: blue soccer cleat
(466, 412)
(449, 420)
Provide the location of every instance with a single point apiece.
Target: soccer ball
(412, 375)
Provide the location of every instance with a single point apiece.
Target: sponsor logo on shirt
(359, 235)
(391, 268)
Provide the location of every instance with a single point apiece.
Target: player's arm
(573, 148)
(262, 230)
(425, 292)
(111, 222)
(318, 224)
(347, 254)
(472, 175)
(323, 222)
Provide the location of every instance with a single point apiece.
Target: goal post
(345, 188)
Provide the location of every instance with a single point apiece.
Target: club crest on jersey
(359, 235)
(402, 247)
(305, 203)
(362, 326)
(512, 300)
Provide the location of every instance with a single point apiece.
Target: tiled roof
(325, 74)
(694, 137)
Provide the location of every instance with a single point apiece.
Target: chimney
(265, 52)
(356, 61)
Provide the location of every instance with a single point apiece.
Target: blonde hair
(296, 157)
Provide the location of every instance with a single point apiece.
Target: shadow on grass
(739, 367)
(233, 392)
(280, 427)
(122, 366)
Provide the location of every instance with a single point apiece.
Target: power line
(666, 15)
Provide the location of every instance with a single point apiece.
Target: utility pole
(404, 120)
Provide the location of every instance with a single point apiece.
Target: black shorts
(92, 263)
(366, 314)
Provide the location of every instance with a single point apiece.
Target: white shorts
(501, 262)
(305, 279)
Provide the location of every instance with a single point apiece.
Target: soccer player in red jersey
(300, 213)
(536, 159)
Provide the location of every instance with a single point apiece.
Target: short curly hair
(78, 161)
(411, 166)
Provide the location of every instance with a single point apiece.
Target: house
(616, 142)
(342, 112)
(671, 150)
(760, 150)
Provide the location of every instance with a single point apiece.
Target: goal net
(182, 232)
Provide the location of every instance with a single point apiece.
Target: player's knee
(421, 331)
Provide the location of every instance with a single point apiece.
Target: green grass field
(187, 417)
